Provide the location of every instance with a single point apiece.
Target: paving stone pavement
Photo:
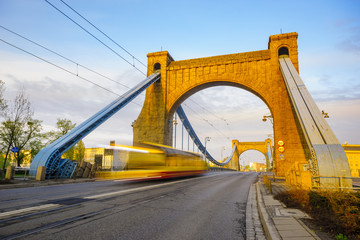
(278, 221)
(254, 228)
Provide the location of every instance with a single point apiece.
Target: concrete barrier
(40, 173)
(10, 173)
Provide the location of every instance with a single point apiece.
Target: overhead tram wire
(55, 65)
(66, 58)
(208, 122)
(103, 33)
(221, 118)
(113, 42)
(95, 37)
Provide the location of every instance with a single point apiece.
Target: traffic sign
(281, 149)
(15, 149)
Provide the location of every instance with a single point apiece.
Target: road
(207, 207)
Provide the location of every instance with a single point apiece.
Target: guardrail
(340, 181)
(22, 169)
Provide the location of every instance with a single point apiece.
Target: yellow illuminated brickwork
(257, 72)
(353, 154)
(258, 146)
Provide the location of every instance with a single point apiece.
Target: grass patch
(337, 212)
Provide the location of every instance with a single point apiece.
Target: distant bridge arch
(262, 147)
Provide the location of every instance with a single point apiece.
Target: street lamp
(222, 149)
(325, 114)
(206, 140)
(268, 117)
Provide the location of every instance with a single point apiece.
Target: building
(257, 167)
(352, 152)
(110, 158)
(12, 161)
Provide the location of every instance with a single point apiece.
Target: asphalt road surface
(207, 207)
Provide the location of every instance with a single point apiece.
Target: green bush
(338, 212)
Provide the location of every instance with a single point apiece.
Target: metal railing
(340, 181)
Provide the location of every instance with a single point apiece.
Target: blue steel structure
(50, 156)
(180, 112)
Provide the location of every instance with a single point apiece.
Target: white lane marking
(27, 210)
(42, 207)
(138, 189)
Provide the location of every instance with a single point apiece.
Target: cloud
(351, 42)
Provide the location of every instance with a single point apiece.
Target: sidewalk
(278, 221)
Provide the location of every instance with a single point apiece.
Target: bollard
(10, 172)
(40, 173)
(267, 183)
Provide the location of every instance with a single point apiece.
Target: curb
(270, 230)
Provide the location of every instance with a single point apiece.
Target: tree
(18, 127)
(64, 126)
(30, 134)
(79, 152)
(3, 104)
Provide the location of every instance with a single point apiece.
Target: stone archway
(257, 72)
(262, 147)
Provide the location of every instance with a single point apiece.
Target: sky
(328, 45)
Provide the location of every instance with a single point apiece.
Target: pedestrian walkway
(278, 221)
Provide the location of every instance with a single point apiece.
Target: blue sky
(329, 59)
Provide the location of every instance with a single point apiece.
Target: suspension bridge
(313, 155)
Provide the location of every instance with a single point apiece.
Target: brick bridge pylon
(257, 72)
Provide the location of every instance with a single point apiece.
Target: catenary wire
(208, 122)
(94, 37)
(66, 58)
(223, 119)
(103, 33)
(118, 46)
(55, 65)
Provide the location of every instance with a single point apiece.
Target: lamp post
(325, 114)
(222, 149)
(206, 140)
(268, 117)
(175, 123)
